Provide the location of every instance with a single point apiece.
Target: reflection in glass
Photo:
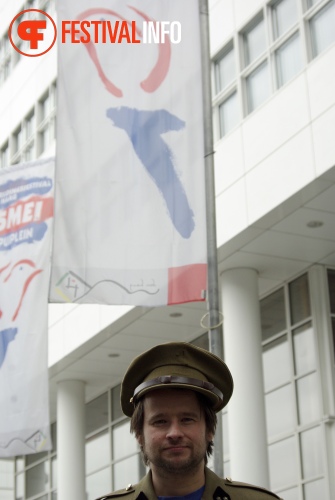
(225, 70)
(254, 42)
(283, 463)
(276, 363)
(322, 28)
(116, 406)
(304, 349)
(284, 15)
(125, 472)
(96, 413)
(98, 484)
(37, 479)
(97, 452)
(228, 113)
(273, 314)
(124, 443)
(19, 487)
(311, 453)
(280, 416)
(308, 399)
(288, 60)
(258, 86)
(299, 299)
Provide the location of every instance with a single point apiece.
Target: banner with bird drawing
(130, 217)
(26, 217)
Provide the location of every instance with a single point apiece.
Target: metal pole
(213, 300)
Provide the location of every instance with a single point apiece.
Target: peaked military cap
(177, 365)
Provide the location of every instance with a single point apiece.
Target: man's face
(174, 435)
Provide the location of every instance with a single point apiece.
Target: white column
(71, 440)
(243, 355)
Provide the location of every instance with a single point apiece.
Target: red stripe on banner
(187, 283)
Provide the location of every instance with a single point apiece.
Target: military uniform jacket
(215, 489)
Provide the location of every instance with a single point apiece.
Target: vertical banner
(130, 216)
(26, 214)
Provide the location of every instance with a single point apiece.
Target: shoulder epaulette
(230, 482)
(119, 493)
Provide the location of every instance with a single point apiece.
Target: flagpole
(213, 300)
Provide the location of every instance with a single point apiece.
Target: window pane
(276, 363)
(311, 453)
(273, 314)
(228, 112)
(125, 472)
(258, 86)
(97, 452)
(284, 15)
(299, 299)
(54, 473)
(7, 479)
(331, 288)
(308, 399)
(288, 60)
(254, 42)
(225, 71)
(96, 413)
(280, 416)
(37, 479)
(304, 349)
(291, 494)
(124, 443)
(316, 489)
(116, 406)
(322, 28)
(283, 463)
(98, 484)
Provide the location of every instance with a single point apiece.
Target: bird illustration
(14, 283)
(145, 129)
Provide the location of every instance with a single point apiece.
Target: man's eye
(159, 422)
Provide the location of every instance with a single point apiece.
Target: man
(172, 393)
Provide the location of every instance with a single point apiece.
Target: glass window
(322, 28)
(98, 484)
(54, 472)
(96, 413)
(304, 349)
(331, 288)
(4, 159)
(254, 41)
(124, 443)
(125, 472)
(308, 399)
(280, 411)
(228, 112)
(284, 15)
(315, 489)
(276, 363)
(37, 479)
(6, 477)
(311, 453)
(225, 70)
(273, 314)
(288, 60)
(299, 299)
(30, 125)
(97, 452)
(291, 494)
(283, 463)
(258, 86)
(35, 457)
(116, 406)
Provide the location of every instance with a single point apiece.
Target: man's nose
(175, 431)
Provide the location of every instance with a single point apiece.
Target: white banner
(26, 215)
(130, 221)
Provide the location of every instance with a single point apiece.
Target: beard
(175, 464)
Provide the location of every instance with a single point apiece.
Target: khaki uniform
(215, 489)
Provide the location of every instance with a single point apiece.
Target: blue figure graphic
(6, 336)
(144, 129)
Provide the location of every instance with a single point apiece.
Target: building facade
(273, 89)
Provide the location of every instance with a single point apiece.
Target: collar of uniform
(144, 489)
